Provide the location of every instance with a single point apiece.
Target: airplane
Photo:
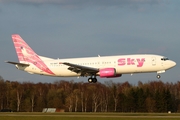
(102, 66)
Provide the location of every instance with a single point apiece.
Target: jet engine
(108, 73)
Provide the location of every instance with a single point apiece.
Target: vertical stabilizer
(24, 52)
(27, 56)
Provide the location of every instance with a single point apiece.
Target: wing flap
(84, 70)
(17, 63)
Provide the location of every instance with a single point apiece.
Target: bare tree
(19, 92)
(114, 91)
(2, 92)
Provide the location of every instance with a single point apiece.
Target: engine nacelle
(108, 73)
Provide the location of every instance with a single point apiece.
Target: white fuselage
(105, 67)
(124, 64)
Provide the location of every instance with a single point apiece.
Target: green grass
(89, 116)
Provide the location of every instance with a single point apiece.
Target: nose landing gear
(158, 76)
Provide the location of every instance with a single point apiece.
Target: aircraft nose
(173, 63)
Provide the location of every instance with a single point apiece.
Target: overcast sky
(86, 28)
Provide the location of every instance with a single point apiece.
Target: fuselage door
(153, 61)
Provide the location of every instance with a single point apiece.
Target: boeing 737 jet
(105, 67)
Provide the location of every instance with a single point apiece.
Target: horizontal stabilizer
(17, 63)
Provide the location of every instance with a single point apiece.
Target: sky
(88, 28)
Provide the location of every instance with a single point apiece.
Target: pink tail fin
(24, 52)
(27, 55)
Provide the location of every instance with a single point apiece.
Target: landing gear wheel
(94, 80)
(158, 76)
(90, 80)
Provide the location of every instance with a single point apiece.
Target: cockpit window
(164, 58)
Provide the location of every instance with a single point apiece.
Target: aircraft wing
(17, 63)
(83, 70)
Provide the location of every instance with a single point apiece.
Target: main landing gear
(92, 79)
(158, 76)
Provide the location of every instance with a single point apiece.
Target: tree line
(153, 96)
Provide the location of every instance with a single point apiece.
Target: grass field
(89, 116)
